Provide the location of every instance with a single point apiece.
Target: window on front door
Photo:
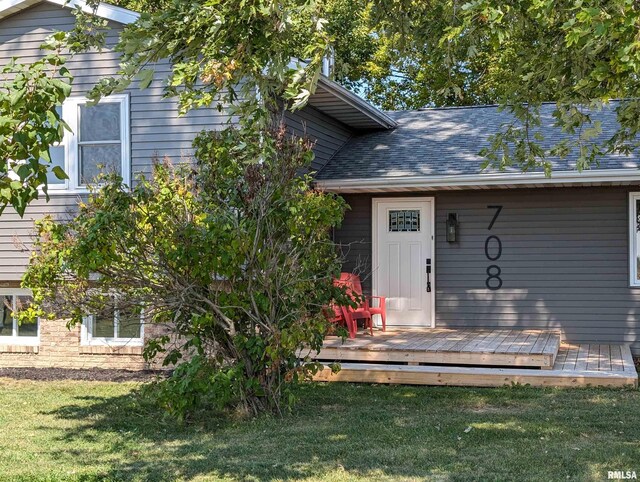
(404, 220)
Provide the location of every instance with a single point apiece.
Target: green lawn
(95, 431)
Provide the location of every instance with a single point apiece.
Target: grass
(100, 431)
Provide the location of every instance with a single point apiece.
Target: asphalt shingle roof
(441, 142)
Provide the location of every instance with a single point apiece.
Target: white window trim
(63, 187)
(87, 339)
(71, 148)
(634, 282)
(16, 340)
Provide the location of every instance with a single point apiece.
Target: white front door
(402, 255)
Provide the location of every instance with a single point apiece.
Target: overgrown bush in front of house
(233, 252)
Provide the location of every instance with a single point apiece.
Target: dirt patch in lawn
(93, 374)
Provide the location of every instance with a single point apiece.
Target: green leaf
(59, 173)
(145, 77)
(17, 96)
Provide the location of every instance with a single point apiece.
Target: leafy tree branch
(31, 96)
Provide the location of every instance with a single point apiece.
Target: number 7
(495, 216)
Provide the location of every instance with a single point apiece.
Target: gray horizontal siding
(327, 134)
(564, 261)
(354, 238)
(17, 234)
(156, 128)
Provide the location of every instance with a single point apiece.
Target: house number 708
(493, 251)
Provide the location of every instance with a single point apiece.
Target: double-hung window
(634, 238)
(97, 144)
(12, 330)
(114, 326)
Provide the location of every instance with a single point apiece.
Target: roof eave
(417, 183)
(106, 11)
(381, 119)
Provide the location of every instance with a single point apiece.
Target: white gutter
(104, 10)
(416, 183)
(358, 103)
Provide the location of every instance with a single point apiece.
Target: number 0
(486, 248)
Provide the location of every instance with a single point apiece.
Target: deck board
(552, 347)
(474, 342)
(460, 344)
(572, 357)
(528, 344)
(455, 340)
(605, 358)
(627, 359)
(617, 363)
(432, 343)
(541, 342)
(582, 358)
(489, 343)
(518, 342)
(534, 348)
(498, 341)
(508, 340)
(561, 359)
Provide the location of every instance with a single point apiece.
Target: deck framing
(499, 357)
(522, 348)
(476, 376)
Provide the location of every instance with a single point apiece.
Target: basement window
(114, 326)
(12, 330)
(634, 239)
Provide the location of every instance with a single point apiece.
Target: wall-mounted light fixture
(452, 227)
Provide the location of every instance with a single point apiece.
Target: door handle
(428, 269)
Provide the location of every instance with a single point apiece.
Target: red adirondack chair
(381, 309)
(364, 310)
(337, 314)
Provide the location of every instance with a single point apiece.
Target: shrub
(233, 252)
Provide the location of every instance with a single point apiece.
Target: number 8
(493, 276)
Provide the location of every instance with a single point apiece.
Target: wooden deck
(530, 348)
(499, 358)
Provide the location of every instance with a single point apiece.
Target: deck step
(476, 376)
(497, 348)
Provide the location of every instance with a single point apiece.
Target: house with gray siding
(449, 244)
(507, 249)
(126, 132)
